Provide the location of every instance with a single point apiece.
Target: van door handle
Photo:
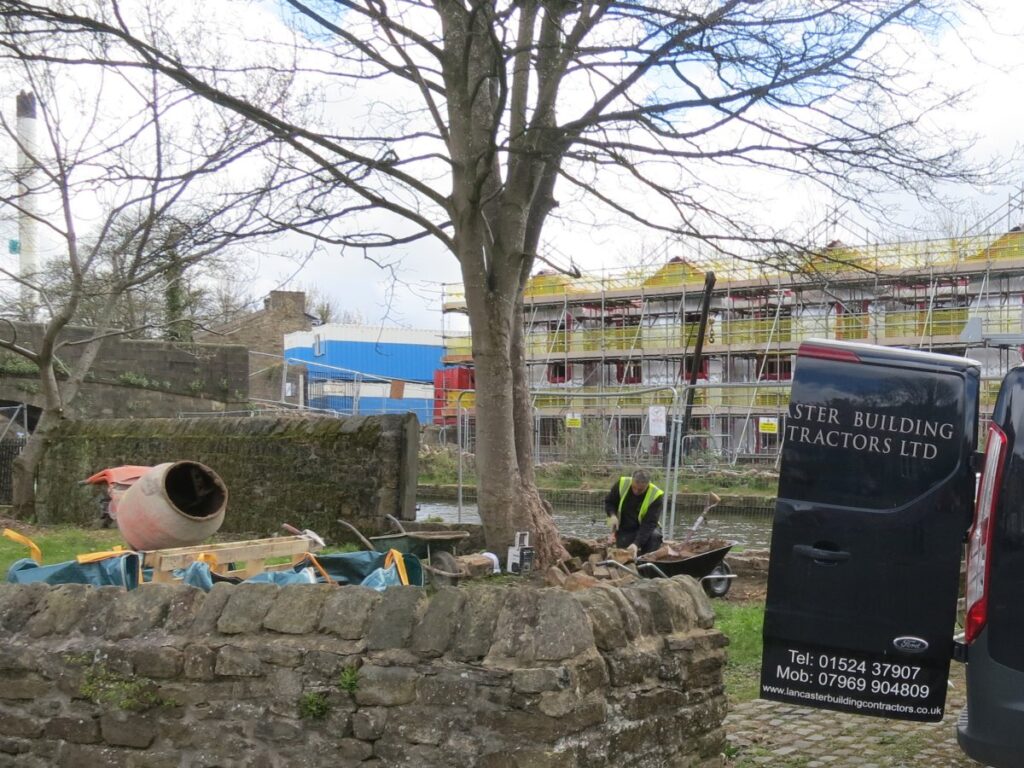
(823, 556)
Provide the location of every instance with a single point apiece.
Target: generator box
(520, 555)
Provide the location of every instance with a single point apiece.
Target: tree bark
(522, 401)
(56, 398)
(547, 540)
(23, 471)
(508, 498)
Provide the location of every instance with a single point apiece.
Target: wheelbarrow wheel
(717, 587)
(444, 561)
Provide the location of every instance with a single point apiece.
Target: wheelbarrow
(709, 568)
(435, 549)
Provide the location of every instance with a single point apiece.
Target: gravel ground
(769, 733)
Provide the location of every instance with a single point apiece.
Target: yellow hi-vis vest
(653, 493)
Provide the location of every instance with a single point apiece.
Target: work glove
(633, 551)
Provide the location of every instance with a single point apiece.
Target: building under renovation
(610, 355)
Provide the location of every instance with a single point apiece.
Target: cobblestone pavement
(769, 733)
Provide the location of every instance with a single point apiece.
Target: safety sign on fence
(656, 417)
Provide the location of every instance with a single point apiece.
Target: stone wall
(259, 676)
(307, 471)
(136, 377)
(263, 331)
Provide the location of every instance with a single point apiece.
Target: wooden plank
(253, 553)
(227, 545)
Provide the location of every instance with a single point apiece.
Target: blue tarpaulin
(365, 568)
(117, 571)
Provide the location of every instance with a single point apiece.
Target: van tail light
(979, 548)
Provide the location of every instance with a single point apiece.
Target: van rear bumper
(977, 747)
(990, 728)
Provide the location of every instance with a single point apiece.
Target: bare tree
(327, 309)
(321, 304)
(186, 294)
(484, 117)
(165, 181)
(224, 300)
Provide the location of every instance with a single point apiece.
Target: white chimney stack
(28, 254)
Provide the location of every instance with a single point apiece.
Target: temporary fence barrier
(10, 449)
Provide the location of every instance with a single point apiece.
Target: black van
(991, 726)
(876, 493)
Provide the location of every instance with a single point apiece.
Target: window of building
(686, 368)
(775, 368)
(621, 332)
(628, 373)
(767, 442)
(593, 374)
(559, 373)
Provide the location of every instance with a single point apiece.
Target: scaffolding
(966, 255)
(596, 344)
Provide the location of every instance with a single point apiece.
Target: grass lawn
(59, 543)
(742, 622)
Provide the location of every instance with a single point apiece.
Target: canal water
(748, 531)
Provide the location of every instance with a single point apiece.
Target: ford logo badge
(910, 644)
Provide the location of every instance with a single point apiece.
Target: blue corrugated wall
(410, 362)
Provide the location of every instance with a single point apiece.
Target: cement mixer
(177, 504)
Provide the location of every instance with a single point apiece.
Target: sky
(994, 116)
(409, 294)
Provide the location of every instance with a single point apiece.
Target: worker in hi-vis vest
(634, 507)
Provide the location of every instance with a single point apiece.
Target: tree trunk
(548, 539)
(23, 472)
(522, 401)
(56, 398)
(506, 494)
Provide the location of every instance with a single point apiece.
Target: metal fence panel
(9, 450)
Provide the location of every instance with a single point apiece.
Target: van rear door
(875, 495)
(991, 726)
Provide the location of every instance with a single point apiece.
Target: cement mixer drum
(177, 504)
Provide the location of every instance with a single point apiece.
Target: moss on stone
(111, 689)
(14, 364)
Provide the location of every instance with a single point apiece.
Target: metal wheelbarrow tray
(708, 567)
(436, 549)
(419, 543)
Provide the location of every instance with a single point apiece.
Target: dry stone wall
(264, 676)
(307, 471)
(136, 378)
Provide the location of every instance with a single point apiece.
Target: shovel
(713, 499)
(312, 536)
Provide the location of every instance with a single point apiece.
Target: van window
(872, 437)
